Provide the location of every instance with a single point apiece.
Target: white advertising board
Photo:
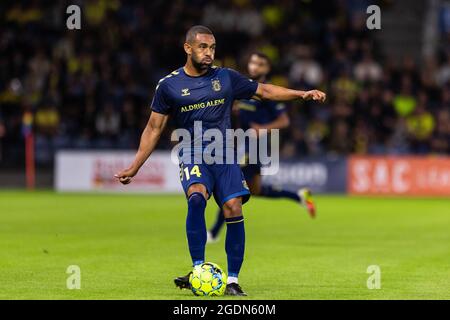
(94, 171)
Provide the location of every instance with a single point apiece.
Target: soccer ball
(208, 279)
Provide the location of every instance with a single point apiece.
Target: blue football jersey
(258, 111)
(207, 98)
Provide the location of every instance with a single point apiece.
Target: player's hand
(315, 95)
(125, 175)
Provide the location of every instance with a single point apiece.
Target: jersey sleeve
(243, 87)
(278, 108)
(160, 102)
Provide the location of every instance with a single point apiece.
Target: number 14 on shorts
(195, 171)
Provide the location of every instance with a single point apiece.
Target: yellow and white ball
(208, 279)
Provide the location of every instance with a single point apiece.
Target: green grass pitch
(132, 246)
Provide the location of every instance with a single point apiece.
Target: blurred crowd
(91, 88)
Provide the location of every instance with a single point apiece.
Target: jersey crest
(216, 85)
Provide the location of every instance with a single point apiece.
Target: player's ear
(187, 48)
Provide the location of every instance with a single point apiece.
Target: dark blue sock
(196, 227)
(220, 220)
(271, 192)
(235, 244)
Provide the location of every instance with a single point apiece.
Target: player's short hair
(262, 55)
(193, 31)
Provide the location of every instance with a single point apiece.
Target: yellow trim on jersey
(173, 73)
(245, 106)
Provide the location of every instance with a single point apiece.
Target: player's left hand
(315, 95)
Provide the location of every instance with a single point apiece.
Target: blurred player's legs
(253, 176)
(213, 233)
(302, 196)
(307, 201)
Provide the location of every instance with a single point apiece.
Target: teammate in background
(202, 92)
(261, 114)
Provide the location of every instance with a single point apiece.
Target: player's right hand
(125, 175)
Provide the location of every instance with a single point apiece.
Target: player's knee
(232, 208)
(196, 199)
(198, 188)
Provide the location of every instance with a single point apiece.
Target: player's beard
(200, 66)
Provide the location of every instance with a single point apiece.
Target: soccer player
(261, 114)
(202, 92)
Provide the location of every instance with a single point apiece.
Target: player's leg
(302, 196)
(251, 175)
(306, 200)
(231, 192)
(270, 191)
(197, 185)
(195, 222)
(213, 233)
(234, 243)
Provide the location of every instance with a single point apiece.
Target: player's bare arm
(149, 138)
(277, 93)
